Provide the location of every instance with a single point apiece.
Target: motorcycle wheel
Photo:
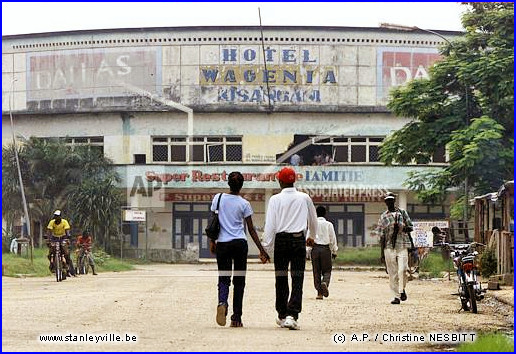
(463, 295)
(472, 298)
(464, 303)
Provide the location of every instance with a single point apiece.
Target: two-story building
(178, 109)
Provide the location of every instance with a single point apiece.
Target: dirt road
(172, 308)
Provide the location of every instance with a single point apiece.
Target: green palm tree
(96, 205)
(56, 176)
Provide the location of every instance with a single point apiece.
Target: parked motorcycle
(464, 261)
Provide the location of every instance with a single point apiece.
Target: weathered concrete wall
(223, 69)
(264, 135)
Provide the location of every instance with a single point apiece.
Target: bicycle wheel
(472, 298)
(58, 266)
(413, 263)
(84, 265)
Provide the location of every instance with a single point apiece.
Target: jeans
(289, 249)
(234, 251)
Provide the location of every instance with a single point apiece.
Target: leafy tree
(466, 105)
(11, 195)
(53, 174)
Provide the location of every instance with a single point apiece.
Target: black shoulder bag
(213, 228)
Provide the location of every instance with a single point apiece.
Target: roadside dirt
(172, 308)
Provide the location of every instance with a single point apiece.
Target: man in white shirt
(324, 248)
(288, 214)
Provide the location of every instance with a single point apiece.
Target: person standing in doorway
(288, 215)
(324, 249)
(231, 248)
(394, 227)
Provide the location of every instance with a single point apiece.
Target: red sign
(205, 197)
(400, 67)
(260, 197)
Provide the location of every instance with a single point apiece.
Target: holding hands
(264, 256)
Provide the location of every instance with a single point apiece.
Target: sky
(23, 18)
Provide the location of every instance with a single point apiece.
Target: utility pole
(265, 64)
(22, 189)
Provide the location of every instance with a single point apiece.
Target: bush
(488, 263)
(100, 257)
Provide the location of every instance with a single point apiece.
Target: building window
(439, 155)
(207, 149)
(426, 212)
(140, 159)
(346, 149)
(94, 143)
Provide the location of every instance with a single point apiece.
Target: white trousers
(396, 261)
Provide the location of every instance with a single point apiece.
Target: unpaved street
(172, 308)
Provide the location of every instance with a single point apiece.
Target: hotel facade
(178, 109)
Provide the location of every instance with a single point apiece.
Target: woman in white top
(231, 248)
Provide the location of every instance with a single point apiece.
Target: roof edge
(211, 28)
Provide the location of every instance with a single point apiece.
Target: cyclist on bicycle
(84, 242)
(59, 230)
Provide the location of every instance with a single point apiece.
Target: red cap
(287, 175)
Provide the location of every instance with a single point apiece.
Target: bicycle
(416, 256)
(58, 261)
(82, 263)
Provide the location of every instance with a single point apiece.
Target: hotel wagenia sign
(293, 75)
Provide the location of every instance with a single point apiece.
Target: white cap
(389, 196)
(57, 212)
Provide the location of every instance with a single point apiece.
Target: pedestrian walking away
(231, 248)
(288, 215)
(324, 250)
(395, 227)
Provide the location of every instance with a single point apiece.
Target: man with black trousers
(324, 249)
(288, 215)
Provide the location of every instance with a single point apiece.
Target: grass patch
(434, 264)
(365, 256)
(14, 265)
(494, 342)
